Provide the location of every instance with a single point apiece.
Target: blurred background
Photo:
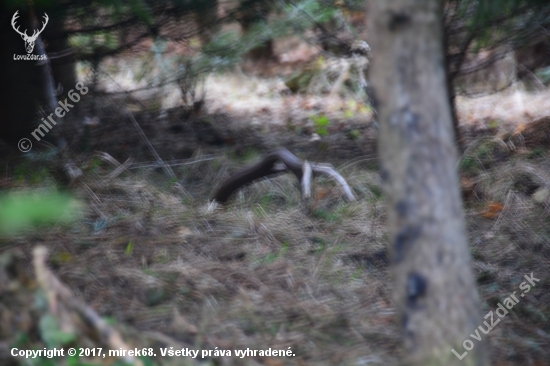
(168, 99)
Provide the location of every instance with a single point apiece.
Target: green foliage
(543, 75)
(52, 334)
(483, 156)
(225, 50)
(274, 256)
(270, 200)
(129, 248)
(537, 152)
(87, 43)
(228, 48)
(327, 215)
(495, 20)
(354, 134)
(470, 165)
(22, 173)
(321, 124)
(250, 154)
(93, 165)
(299, 80)
(141, 10)
(376, 191)
(20, 211)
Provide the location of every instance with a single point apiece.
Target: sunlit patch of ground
(506, 109)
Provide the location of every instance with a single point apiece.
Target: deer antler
(24, 34)
(15, 16)
(43, 26)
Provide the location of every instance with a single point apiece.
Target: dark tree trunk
(61, 56)
(253, 12)
(206, 16)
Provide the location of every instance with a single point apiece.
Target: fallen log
(281, 161)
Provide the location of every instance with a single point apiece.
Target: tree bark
(206, 16)
(253, 12)
(434, 286)
(60, 54)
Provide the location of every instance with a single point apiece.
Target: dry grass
(263, 272)
(510, 242)
(267, 271)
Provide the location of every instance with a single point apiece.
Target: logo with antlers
(29, 41)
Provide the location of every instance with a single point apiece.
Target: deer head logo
(29, 41)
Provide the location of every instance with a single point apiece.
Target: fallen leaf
(493, 210)
(321, 193)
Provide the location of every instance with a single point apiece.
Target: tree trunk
(61, 56)
(434, 287)
(206, 16)
(251, 13)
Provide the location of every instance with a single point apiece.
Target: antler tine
(36, 32)
(13, 19)
(43, 25)
(46, 18)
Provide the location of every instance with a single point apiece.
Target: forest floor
(149, 252)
